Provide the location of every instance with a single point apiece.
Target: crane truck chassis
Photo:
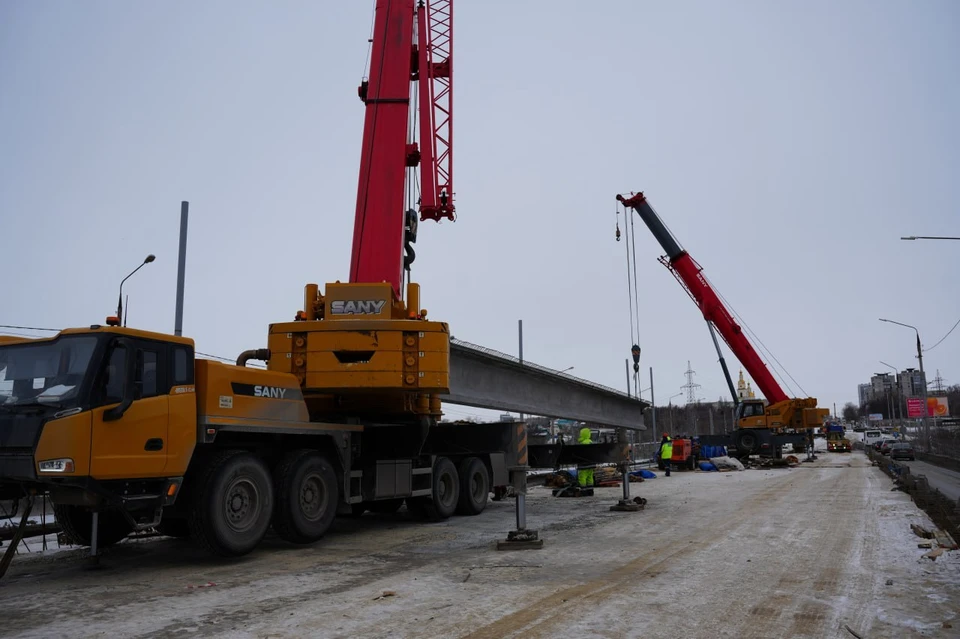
(128, 424)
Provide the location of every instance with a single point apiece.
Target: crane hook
(618, 231)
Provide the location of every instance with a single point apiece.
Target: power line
(942, 338)
(57, 330)
(29, 328)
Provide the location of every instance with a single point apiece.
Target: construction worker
(666, 452)
(584, 475)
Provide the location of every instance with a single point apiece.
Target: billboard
(876, 417)
(936, 407)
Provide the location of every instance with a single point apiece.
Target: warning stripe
(522, 444)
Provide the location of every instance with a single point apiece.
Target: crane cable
(763, 346)
(633, 338)
(633, 293)
(746, 326)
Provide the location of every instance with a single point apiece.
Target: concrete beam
(485, 378)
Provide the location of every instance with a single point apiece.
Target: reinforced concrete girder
(485, 378)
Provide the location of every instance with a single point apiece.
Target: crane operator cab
(751, 414)
(95, 415)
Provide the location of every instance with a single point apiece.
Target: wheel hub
(242, 507)
(313, 497)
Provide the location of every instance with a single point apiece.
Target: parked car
(884, 446)
(902, 450)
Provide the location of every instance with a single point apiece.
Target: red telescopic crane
(412, 47)
(686, 269)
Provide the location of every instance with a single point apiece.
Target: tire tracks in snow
(546, 616)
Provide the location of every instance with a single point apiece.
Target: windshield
(47, 373)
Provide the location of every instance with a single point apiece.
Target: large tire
(474, 487)
(747, 443)
(446, 493)
(307, 496)
(233, 504)
(77, 524)
(179, 528)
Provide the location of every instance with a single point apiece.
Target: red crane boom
(410, 44)
(686, 269)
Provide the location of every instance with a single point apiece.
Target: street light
(670, 408)
(926, 427)
(896, 395)
(928, 237)
(567, 369)
(146, 260)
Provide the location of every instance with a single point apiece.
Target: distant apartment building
(911, 383)
(864, 393)
(881, 384)
(907, 383)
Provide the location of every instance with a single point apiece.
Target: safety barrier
(944, 511)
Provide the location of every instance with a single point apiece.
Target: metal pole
(923, 380)
(653, 407)
(520, 338)
(181, 266)
(520, 481)
(521, 511)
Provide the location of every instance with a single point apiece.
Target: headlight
(64, 465)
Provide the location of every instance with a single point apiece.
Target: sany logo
(357, 307)
(269, 391)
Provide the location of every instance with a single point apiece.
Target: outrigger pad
(521, 540)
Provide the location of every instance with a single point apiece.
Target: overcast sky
(787, 144)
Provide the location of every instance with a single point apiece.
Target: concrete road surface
(947, 481)
(753, 554)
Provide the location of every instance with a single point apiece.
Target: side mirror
(115, 413)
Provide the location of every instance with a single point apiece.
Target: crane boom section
(690, 273)
(379, 225)
(410, 44)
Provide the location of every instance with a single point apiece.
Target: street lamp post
(897, 393)
(146, 261)
(670, 408)
(928, 237)
(926, 425)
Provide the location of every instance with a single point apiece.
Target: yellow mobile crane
(126, 429)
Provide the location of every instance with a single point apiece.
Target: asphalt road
(754, 554)
(947, 481)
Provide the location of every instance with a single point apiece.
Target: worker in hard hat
(584, 475)
(665, 453)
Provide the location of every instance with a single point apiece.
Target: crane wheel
(179, 528)
(306, 497)
(747, 443)
(446, 493)
(77, 525)
(233, 504)
(474, 487)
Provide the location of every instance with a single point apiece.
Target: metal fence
(945, 442)
(944, 512)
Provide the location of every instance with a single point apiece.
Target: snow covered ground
(760, 553)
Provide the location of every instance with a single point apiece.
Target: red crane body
(686, 269)
(410, 44)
